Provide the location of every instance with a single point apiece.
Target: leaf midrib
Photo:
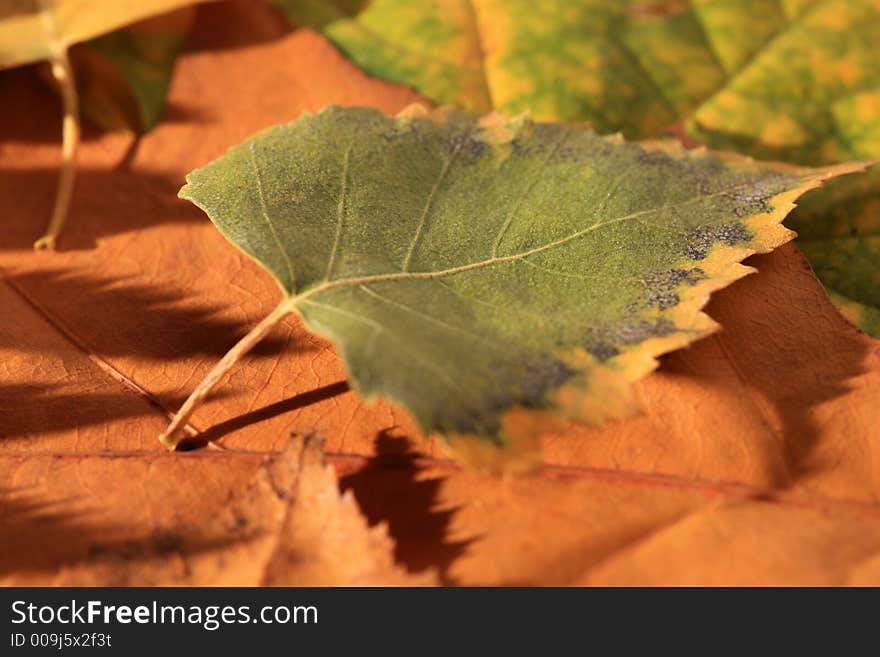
(326, 285)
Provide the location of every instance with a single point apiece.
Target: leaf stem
(63, 73)
(170, 438)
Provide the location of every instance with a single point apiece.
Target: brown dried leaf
(239, 520)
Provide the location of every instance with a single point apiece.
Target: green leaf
(839, 230)
(123, 77)
(791, 80)
(779, 80)
(482, 272)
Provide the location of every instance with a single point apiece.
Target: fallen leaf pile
(754, 459)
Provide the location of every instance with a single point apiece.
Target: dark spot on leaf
(604, 342)
(663, 286)
(636, 331)
(653, 158)
(701, 239)
(747, 204)
(465, 146)
(524, 382)
(754, 197)
(541, 376)
(603, 351)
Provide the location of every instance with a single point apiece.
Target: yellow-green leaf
(482, 272)
(38, 30)
(791, 80)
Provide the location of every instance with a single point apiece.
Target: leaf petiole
(63, 73)
(171, 437)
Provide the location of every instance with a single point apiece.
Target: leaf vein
(340, 212)
(528, 190)
(431, 318)
(265, 210)
(375, 278)
(426, 209)
(398, 343)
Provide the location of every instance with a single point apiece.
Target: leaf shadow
(25, 409)
(303, 399)
(105, 202)
(795, 386)
(257, 22)
(389, 489)
(39, 538)
(122, 317)
(36, 114)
